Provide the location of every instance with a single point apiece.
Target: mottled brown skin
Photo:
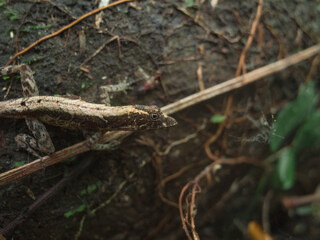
(78, 114)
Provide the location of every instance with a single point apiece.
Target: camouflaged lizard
(71, 114)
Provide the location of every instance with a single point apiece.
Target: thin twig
(157, 230)
(219, 131)
(66, 27)
(196, 189)
(313, 68)
(181, 141)
(173, 176)
(255, 23)
(266, 211)
(115, 194)
(102, 47)
(275, 35)
(78, 234)
(297, 201)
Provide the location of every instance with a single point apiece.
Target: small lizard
(72, 114)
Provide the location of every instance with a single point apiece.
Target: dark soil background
(169, 40)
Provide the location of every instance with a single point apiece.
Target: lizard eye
(154, 116)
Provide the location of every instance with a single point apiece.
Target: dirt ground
(165, 47)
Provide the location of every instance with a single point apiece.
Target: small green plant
(32, 59)
(79, 209)
(189, 3)
(302, 118)
(91, 188)
(86, 82)
(192, 4)
(18, 164)
(217, 118)
(29, 29)
(12, 14)
(41, 27)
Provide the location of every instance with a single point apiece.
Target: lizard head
(151, 117)
(132, 118)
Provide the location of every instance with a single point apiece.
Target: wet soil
(168, 41)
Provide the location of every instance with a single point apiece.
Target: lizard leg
(105, 99)
(27, 143)
(41, 141)
(39, 131)
(93, 145)
(29, 86)
(105, 90)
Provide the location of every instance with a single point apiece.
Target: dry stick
(56, 157)
(193, 99)
(297, 201)
(241, 81)
(248, 44)
(66, 27)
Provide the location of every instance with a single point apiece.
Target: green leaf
(275, 180)
(12, 14)
(305, 210)
(81, 208)
(41, 27)
(286, 168)
(18, 164)
(292, 115)
(217, 118)
(189, 3)
(308, 135)
(91, 188)
(83, 192)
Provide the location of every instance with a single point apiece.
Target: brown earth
(170, 39)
